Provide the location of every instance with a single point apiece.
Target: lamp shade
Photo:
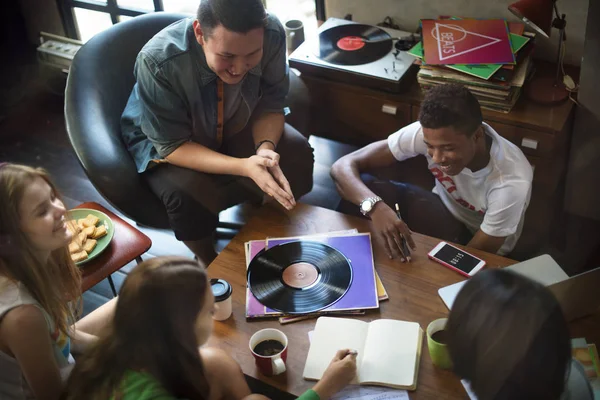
(535, 13)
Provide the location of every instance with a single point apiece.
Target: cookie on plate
(99, 232)
(89, 245)
(80, 256)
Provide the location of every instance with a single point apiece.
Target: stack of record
(299, 277)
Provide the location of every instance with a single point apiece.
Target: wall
(41, 15)
(407, 14)
(582, 198)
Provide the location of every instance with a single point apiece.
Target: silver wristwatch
(366, 206)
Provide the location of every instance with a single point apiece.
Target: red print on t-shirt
(450, 187)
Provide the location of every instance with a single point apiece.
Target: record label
(299, 277)
(351, 43)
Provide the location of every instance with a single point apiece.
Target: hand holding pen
(392, 231)
(405, 249)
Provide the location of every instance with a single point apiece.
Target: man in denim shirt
(205, 124)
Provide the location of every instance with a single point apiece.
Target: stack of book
(587, 354)
(470, 52)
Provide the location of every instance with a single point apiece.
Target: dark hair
(508, 336)
(450, 105)
(239, 16)
(152, 330)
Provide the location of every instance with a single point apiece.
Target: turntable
(354, 53)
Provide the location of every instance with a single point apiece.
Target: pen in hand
(405, 248)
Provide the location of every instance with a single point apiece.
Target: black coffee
(268, 348)
(440, 337)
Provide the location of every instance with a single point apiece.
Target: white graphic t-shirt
(493, 199)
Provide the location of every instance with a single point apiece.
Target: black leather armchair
(99, 83)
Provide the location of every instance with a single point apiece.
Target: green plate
(103, 242)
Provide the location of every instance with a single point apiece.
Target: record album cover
(466, 41)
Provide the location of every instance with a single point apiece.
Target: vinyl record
(299, 277)
(344, 45)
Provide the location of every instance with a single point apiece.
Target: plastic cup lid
(221, 289)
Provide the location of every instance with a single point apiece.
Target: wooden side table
(127, 244)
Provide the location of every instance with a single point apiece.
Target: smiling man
(205, 124)
(482, 181)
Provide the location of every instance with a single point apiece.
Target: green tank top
(143, 386)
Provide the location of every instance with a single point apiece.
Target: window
(85, 18)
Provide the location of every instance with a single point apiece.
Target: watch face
(366, 205)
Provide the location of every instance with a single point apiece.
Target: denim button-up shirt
(175, 97)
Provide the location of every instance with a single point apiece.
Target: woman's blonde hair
(55, 285)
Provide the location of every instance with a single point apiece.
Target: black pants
(194, 199)
(422, 210)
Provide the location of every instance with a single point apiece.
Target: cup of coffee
(294, 34)
(222, 291)
(269, 348)
(437, 339)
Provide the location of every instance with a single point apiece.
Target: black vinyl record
(299, 277)
(343, 44)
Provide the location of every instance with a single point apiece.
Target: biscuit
(93, 219)
(82, 255)
(89, 245)
(74, 247)
(99, 232)
(89, 231)
(85, 222)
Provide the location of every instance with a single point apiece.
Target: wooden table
(412, 289)
(127, 244)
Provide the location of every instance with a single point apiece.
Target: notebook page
(331, 335)
(391, 351)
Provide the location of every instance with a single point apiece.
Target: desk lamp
(538, 15)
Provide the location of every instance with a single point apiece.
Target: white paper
(449, 293)
(542, 269)
(467, 386)
(370, 393)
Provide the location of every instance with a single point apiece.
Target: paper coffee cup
(222, 291)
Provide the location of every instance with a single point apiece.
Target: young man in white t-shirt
(482, 181)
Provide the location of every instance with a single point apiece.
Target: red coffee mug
(274, 364)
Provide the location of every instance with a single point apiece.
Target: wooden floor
(33, 133)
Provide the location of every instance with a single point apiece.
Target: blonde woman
(39, 288)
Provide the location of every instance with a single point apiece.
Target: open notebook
(388, 350)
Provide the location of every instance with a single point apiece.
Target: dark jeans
(194, 199)
(422, 210)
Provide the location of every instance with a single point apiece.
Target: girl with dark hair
(40, 287)
(507, 335)
(150, 351)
